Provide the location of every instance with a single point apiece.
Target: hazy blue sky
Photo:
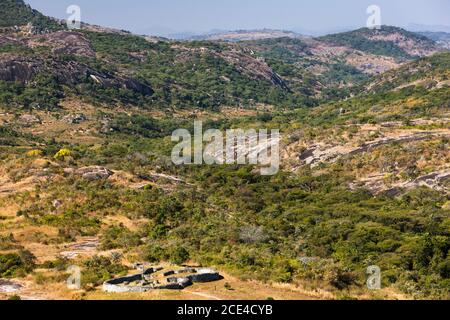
(171, 16)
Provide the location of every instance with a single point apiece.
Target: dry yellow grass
(36, 287)
(240, 290)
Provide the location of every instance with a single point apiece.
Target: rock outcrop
(319, 153)
(94, 173)
(438, 181)
(19, 69)
(64, 42)
(70, 73)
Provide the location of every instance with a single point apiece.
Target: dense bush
(16, 264)
(99, 269)
(119, 237)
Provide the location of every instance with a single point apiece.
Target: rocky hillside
(431, 73)
(387, 41)
(15, 13)
(114, 67)
(407, 109)
(86, 176)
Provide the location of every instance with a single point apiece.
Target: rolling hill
(115, 67)
(388, 41)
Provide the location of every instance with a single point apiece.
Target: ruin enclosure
(158, 278)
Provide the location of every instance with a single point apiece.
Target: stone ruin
(157, 279)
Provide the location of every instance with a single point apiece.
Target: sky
(165, 17)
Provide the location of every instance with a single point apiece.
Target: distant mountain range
(416, 27)
(442, 38)
(246, 35)
(258, 34)
(241, 67)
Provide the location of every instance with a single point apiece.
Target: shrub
(179, 255)
(63, 154)
(341, 279)
(154, 253)
(228, 286)
(16, 264)
(60, 264)
(119, 237)
(99, 269)
(34, 153)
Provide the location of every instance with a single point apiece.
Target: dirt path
(203, 295)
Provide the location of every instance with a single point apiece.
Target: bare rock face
(15, 67)
(64, 42)
(94, 173)
(438, 181)
(72, 73)
(8, 286)
(19, 69)
(318, 153)
(136, 86)
(24, 69)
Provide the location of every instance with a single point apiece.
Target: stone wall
(122, 285)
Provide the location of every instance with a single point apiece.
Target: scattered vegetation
(293, 227)
(360, 40)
